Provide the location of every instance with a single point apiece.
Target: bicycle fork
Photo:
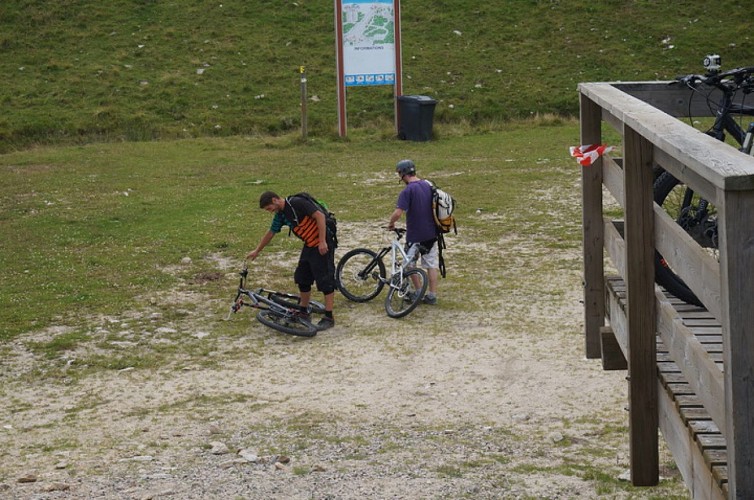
(747, 143)
(237, 305)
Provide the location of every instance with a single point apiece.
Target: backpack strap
(330, 221)
(293, 209)
(440, 247)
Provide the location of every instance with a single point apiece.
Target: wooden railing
(645, 115)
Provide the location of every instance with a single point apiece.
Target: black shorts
(315, 268)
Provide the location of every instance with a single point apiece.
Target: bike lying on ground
(361, 275)
(693, 213)
(278, 310)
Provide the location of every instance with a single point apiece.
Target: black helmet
(405, 167)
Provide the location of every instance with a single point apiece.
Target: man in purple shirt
(416, 202)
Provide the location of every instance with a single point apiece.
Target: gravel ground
(441, 404)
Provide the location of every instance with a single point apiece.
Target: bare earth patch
(446, 403)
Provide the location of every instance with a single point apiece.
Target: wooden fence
(645, 115)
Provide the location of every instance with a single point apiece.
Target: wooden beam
(642, 362)
(613, 177)
(591, 185)
(701, 185)
(698, 369)
(736, 229)
(615, 245)
(708, 158)
(698, 269)
(675, 98)
(619, 324)
(688, 457)
(612, 356)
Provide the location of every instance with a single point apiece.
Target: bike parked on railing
(361, 275)
(693, 213)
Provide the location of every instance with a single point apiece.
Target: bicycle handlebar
(727, 81)
(400, 231)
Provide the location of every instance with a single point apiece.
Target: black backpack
(330, 221)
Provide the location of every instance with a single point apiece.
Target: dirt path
(499, 403)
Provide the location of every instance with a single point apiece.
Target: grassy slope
(83, 70)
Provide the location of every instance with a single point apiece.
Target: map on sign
(369, 42)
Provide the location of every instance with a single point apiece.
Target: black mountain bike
(693, 213)
(278, 310)
(361, 276)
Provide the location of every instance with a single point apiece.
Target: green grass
(86, 70)
(60, 344)
(89, 231)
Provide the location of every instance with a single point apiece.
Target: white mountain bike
(361, 274)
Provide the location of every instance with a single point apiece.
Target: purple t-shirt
(416, 201)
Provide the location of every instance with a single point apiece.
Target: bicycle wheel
(290, 325)
(292, 301)
(403, 296)
(360, 275)
(696, 216)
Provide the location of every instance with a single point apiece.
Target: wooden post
(340, 65)
(593, 231)
(642, 353)
(304, 131)
(736, 227)
(612, 356)
(398, 86)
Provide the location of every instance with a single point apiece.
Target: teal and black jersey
(278, 221)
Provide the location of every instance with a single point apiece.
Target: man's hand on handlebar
(397, 230)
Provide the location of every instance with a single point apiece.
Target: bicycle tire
(355, 275)
(290, 325)
(403, 299)
(664, 188)
(292, 301)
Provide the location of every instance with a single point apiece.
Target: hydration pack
(330, 221)
(443, 206)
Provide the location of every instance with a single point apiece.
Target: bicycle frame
(259, 300)
(399, 258)
(724, 122)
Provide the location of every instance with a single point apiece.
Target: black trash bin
(416, 113)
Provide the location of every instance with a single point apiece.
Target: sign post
(367, 39)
